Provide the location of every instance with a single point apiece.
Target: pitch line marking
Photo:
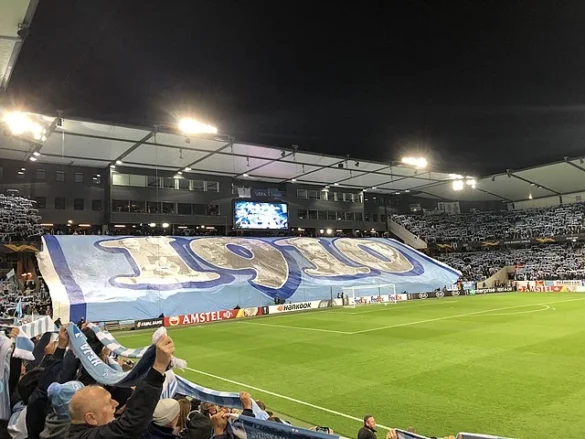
(296, 327)
(461, 315)
(543, 308)
(288, 398)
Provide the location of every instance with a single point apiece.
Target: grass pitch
(508, 364)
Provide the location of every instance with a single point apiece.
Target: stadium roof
(15, 18)
(94, 144)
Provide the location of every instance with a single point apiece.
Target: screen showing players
(254, 215)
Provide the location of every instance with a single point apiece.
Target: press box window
(59, 175)
(78, 203)
(78, 177)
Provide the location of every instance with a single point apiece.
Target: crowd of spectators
(54, 397)
(539, 262)
(19, 219)
(496, 225)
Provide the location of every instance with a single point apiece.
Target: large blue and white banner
(115, 278)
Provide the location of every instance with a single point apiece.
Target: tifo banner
(112, 278)
(213, 316)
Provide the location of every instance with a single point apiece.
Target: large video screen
(255, 215)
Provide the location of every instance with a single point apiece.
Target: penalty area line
(287, 398)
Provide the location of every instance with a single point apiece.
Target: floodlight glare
(192, 126)
(417, 162)
(17, 122)
(458, 185)
(165, 225)
(329, 231)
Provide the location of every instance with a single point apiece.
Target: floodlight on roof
(457, 185)
(417, 162)
(192, 126)
(21, 123)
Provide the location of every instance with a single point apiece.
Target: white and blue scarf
(178, 385)
(104, 373)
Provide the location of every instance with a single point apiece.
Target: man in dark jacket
(92, 408)
(368, 431)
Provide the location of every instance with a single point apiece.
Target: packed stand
(19, 219)
(544, 262)
(54, 396)
(494, 225)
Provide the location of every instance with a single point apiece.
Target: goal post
(369, 294)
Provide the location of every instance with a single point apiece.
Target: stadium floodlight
(36, 153)
(165, 225)
(530, 196)
(321, 231)
(335, 184)
(192, 126)
(33, 159)
(112, 166)
(417, 162)
(118, 162)
(329, 231)
(245, 175)
(152, 225)
(457, 185)
(187, 169)
(294, 180)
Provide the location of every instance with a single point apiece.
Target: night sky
(477, 86)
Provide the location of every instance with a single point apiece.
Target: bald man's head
(92, 405)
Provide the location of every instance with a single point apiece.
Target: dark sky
(478, 86)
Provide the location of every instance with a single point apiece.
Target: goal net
(369, 294)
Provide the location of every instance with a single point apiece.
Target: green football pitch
(507, 364)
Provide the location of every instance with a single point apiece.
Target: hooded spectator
(58, 421)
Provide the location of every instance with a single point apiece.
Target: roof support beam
(266, 164)
(217, 151)
(136, 145)
(568, 162)
(510, 173)
(314, 170)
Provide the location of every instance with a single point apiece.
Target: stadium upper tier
(545, 262)
(493, 225)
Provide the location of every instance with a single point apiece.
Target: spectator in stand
(368, 431)
(219, 421)
(164, 421)
(58, 420)
(92, 408)
(185, 409)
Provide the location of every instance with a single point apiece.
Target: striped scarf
(104, 373)
(108, 340)
(178, 385)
